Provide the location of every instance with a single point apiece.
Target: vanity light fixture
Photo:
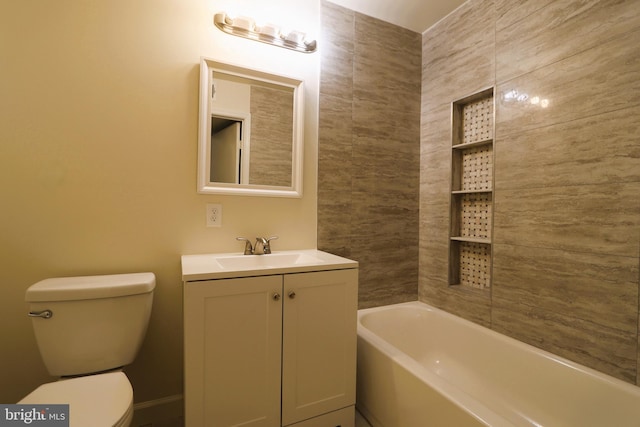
(246, 27)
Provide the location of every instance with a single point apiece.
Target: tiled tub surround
(566, 207)
(368, 172)
(566, 231)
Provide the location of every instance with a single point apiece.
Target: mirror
(250, 138)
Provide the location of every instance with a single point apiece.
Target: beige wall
(566, 229)
(98, 136)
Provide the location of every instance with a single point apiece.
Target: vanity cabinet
(271, 350)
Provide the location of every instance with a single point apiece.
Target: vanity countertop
(231, 265)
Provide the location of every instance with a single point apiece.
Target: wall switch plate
(214, 215)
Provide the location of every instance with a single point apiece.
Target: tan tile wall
(271, 136)
(567, 177)
(368, 167)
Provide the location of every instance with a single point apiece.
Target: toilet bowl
(102, 400)
(87, 328)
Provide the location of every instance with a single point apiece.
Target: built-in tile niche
(472, 191)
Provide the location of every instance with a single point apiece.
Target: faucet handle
(248, 249)
(267, 246)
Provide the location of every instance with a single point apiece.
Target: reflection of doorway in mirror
(226, 152)
(229, 147)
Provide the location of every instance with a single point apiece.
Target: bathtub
(419, 366)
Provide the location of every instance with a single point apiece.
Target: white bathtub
(419, 366)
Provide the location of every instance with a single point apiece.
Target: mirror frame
(205, 186)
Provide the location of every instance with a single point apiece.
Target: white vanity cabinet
(274, 348)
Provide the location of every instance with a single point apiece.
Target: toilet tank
(97, 323)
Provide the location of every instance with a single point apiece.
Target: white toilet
(87, 329)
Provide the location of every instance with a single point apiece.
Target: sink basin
(229, 265)
(243, 262)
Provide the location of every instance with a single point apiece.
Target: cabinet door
(232, 339)
(319, 343)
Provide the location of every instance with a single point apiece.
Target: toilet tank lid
(91, 287)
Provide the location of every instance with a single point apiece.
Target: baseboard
(156, 402)
(164, 412)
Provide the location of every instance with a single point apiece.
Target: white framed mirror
(251, 136)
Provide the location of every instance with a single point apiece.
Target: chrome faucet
(261, 247)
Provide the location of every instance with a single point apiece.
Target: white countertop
(230, 265)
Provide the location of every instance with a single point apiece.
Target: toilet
(87, 329)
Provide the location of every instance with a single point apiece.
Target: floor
(361, 421)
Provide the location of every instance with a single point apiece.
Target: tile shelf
(488, 191)
(473, 144)
(471, 240)
(470, 244)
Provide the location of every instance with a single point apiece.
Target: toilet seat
(102, 400)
